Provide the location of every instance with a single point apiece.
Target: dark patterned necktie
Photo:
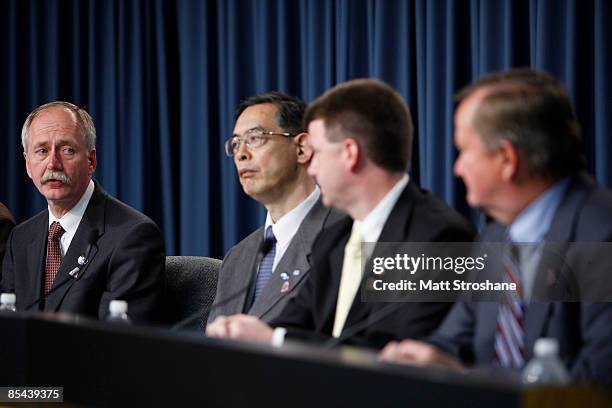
(54, 254)
(267, 263)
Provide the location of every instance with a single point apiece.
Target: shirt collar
(371, 226)
(532, 224)
(286, 226)
(70, 221)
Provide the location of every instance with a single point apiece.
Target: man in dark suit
(87, 248)
(520, 158)
(361, 134)
(6, 225)
(271, 153)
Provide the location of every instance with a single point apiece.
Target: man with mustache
(87, 248)
(271, 152)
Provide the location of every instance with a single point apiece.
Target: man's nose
(54, 162)
(242, 153)
(457, 167)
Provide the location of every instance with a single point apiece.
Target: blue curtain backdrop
(161, 79)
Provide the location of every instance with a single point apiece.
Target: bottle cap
(546, 347)
(118, 306)
(8, 298)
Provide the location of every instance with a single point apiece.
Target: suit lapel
(37, 250)
(238, 282)
(91, 224)
(288, 273)
(536, 318)
(330, 282)
(562, 229)
(295, 263)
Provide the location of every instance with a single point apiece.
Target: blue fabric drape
(162, 79)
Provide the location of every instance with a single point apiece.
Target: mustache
(55, 175)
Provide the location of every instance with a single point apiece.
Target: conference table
(103, 364)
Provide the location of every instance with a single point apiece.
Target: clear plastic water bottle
(7, 302)
(545, 367)
(118, 312)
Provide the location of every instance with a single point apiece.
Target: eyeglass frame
(228, 141)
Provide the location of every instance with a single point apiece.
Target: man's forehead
(257, 116)
(58, 124)
(54, 118)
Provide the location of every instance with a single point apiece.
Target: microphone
(264, 247)
(82, 260)
(369, 321)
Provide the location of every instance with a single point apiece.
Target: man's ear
(304, 150)
(510, 160)
(93, 161)
(351, 152)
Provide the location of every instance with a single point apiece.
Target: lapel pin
(82, 260)
(296, 272)
(74, 273)
(284, 276)
(285, 287)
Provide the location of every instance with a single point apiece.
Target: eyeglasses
(251, 139)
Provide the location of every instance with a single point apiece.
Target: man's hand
(240, 327)
(418, 353)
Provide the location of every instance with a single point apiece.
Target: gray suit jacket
(236, 276)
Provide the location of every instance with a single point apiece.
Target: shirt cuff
(278, 337)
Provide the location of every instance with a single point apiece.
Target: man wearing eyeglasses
(271, 152)
(361, 133)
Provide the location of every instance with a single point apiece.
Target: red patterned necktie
(54, 254)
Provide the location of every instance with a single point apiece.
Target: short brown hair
(372, 113)
(531, 110)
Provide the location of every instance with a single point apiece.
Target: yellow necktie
(349, 280)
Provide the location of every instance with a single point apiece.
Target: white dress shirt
(285, 228)
(71, 220)
(372, 225)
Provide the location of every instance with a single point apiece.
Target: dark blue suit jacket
(584, 330)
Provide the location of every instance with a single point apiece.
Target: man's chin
(472, 201)
(250, 187)
(326, 200)
(54, 193)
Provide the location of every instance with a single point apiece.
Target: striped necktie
(509, 337)
(267, 262)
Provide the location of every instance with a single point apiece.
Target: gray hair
(531, 110)
(84, 122)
